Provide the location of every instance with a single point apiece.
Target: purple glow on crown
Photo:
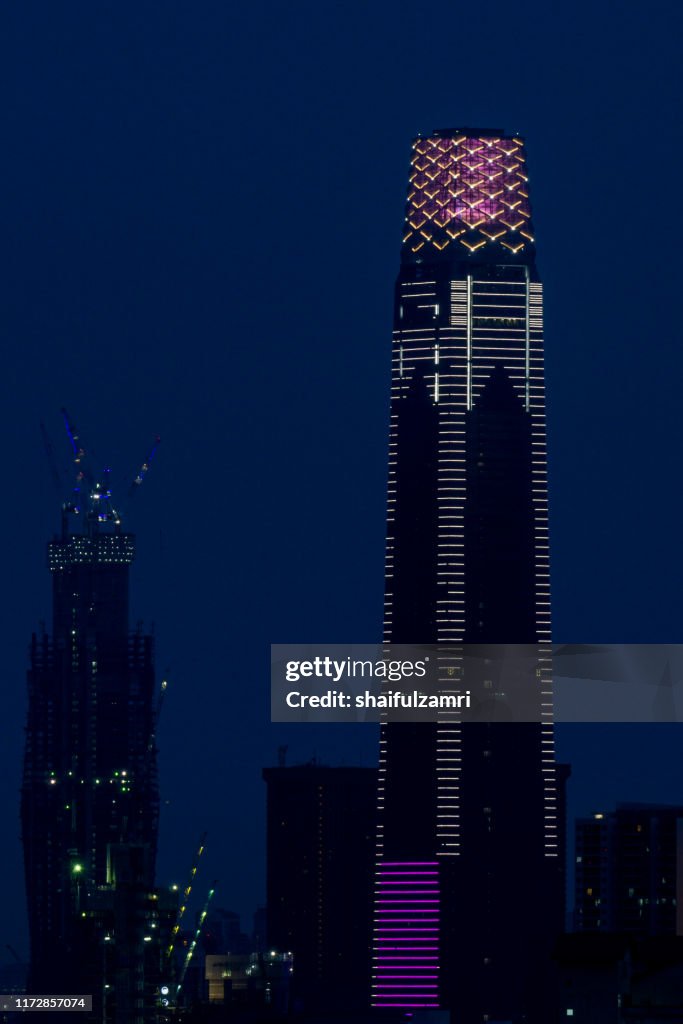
(468, 191)
(406, 935)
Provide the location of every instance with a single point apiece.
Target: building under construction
(90, 802)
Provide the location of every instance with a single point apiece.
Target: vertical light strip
(469, 341)
(450, 594)
(540, 496)
(527, 348)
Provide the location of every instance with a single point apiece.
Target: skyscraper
(470, 883)
(89, 802)
(321, 826)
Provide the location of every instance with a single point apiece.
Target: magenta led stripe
(411, 926)
(431, 985)
(400, 1006)
(416, 949)
(407, 886)
(383, 923)
(405, 965)
(409, 883)
(409, 864)
(417, 972)
(393, 910)
(407, 893)
(403, 978)
(407, 874)
(395, 956)
(389, 902)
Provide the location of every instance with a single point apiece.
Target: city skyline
(146, 278)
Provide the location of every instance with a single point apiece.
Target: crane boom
(144, 468)
(193, 944)
(186, 895)
(90, 497)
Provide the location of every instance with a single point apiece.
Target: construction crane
(83, 475)
(72, 432)
(193, 944)
(144, 468)
(90, 497)
(186, 895)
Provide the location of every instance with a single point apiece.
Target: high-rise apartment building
(89, 803)
(469, 893)
(629, 871)
(320, 850)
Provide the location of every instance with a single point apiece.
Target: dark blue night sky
(200, 225)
